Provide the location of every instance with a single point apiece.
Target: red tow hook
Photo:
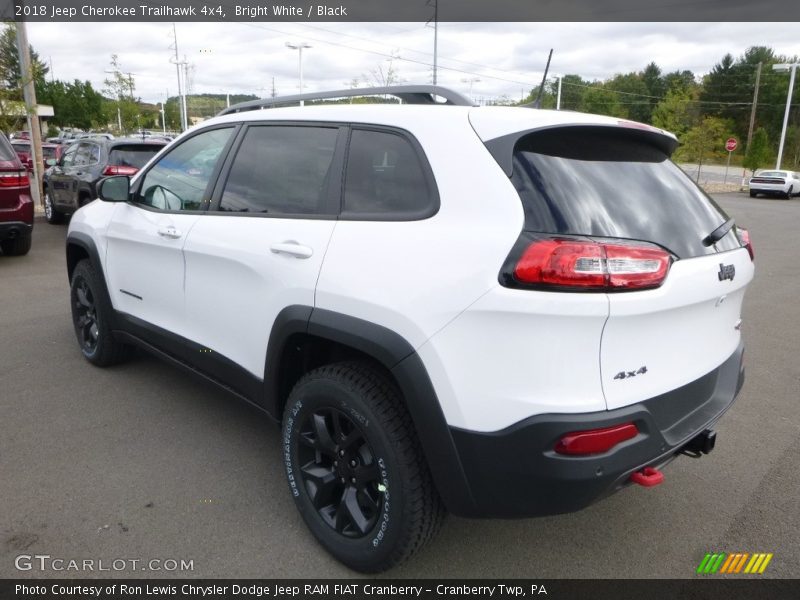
(648, 477)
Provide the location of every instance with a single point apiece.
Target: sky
(486, 60)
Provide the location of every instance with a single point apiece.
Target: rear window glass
(6, 151)
(132, 156)
(590, 182)
(48, 152)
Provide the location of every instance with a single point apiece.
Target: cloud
(507, 58)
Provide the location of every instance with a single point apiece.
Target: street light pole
(792, 67)
(299, 47)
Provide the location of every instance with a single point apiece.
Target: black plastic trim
(24, 229)
(191, 355)
(516, 472)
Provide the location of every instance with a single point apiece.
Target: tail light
(595, 441)
(119, 170)
(744, 239)
(579, 264)
(14, 179)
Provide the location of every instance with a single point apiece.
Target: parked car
(775, 183)
(20, 135)
(72, 182)
(446, 306)
(49, 152)
(16, 205)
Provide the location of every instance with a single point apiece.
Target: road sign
(730, 144)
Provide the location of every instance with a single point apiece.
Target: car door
(146, 235)
(57, 180)
(261, 247)
(86, 156)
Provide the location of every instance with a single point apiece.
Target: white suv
(500, 312)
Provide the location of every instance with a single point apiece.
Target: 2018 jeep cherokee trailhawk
(501, 312)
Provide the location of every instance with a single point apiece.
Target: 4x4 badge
(726, 272)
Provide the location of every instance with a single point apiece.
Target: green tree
(599, 100)
(632, 96)
(121, 86)
(573, 87)
(675, 112)
(758, 154)
(11, 77)
(702, 140)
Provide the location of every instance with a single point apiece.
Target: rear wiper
(719, 233)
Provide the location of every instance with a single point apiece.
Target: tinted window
(49, 152)
(6, 152)
(69, 156)
(281, 170)
(87, 154)
(132, 156)
(384, 177)
(179, 179)
(608, 184)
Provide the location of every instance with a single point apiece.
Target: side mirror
(114, 189)
(50, 162)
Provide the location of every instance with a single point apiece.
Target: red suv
(16, 205)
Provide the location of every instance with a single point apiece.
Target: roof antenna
(538, 102)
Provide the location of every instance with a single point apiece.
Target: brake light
(744, 239)
(591, 265)
(595, 441)
(119, 170)
(14, 179)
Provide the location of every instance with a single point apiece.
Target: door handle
(292, 248)
(169, 232)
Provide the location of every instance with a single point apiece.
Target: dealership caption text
(251, 590)
(198, 10)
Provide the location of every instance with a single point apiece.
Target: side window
(178, 181)
(87, 154)
(281, 170)
(69, 156)
(385, 178)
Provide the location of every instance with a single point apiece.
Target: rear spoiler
(502, 148)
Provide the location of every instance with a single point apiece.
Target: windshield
(609, 184)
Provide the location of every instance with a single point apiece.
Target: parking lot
(142, 462)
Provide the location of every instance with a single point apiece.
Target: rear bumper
(516, 473)
(14, 229)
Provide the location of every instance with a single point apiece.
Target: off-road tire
(53, 215)
(409, 511)
(91, 318)
(19, 246)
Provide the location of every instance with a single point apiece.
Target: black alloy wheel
(340, 472)
(86, 326)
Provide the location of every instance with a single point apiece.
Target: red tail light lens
(744, 239)
(13, 179)
(591, 265)
(595, 441)
(119, 170)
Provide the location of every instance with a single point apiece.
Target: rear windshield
(608, 183)
(6, 151)
(133, 156)
(48, 152)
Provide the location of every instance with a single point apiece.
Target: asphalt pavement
(142, 462)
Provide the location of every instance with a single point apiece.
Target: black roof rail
(409, 94)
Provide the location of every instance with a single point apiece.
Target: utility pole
(299, 47)
(177, 63)
(435, 39)
(792, 68)
(31, 109)
(752, 123)
(558, 98)
(274, 94)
